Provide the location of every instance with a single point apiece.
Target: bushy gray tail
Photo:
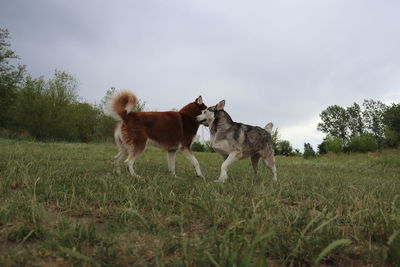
(268, 127)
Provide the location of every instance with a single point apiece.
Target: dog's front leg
(189, 155)
(233, 156)
(171, 161)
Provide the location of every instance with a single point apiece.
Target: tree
(392, 139)
(355, 120)
(373, 118)
(47, 108)
(391, 118)
(62, 89)
(11, 77)
(60, 97)
(284, 148)
(85, 116)
(275, 139)
(308, 151)
(30, 108)
(334, 122)
(281, 147)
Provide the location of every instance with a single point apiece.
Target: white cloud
(303, 132)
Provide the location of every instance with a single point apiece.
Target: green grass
(60, 204)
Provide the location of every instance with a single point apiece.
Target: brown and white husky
(170, 130)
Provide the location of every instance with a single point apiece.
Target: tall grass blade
(212, 259)
(329, 248)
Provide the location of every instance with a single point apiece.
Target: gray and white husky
(235, 141)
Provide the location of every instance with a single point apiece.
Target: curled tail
(120, 104)
(268, 127)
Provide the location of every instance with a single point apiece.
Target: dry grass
(61, 205)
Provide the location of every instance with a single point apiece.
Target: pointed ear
(199, 100)
(220, 105)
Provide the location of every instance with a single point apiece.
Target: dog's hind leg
(189, 155)
(269, 161)
(171, 154)
(254, 161)
(121, 150)
(121, 154)
(233, 156)
(133, 154)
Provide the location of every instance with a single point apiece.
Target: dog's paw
(221, 179)
(136, 175)
(176, 176)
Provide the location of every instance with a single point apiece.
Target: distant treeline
(35, 108)
(368, 127)
(356, 128)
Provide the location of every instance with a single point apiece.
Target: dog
(235, 141)
(171, 130)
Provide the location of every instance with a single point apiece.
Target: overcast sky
(281, 61)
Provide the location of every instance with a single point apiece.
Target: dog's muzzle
(202, 121)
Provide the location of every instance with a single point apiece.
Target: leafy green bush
(392, 122)
(363, 143)
(308, 151)
(284, 148)
(208, 147)
(295, 153)
(18, 134)
(392, 139)
(197, 147)
(331, 144)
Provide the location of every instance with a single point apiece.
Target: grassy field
(60, 205)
